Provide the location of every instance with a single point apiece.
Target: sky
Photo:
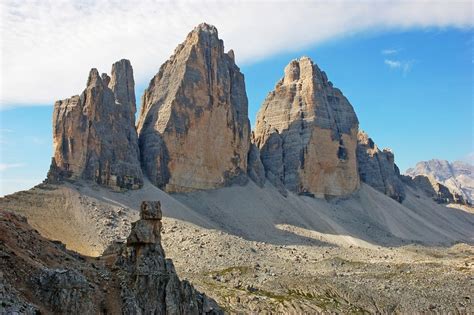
(405, 66)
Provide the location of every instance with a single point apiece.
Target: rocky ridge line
(378, 169)
(94, 134)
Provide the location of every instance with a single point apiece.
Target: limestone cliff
(378, 169)
(307, 133)
(94, 134)
(194, 131)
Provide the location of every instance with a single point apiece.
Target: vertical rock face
(194, 132)
(378, 169)
(255, 168)
(307, 134)
(94, 134)
(153, 286)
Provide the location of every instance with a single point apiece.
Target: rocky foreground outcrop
(378, 169)
(152, 286)
(194, 131)
(94, 134)
(42, 276)
(306, 131)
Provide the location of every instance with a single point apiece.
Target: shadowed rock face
(307, 133)
(193, 128)
(255, 168)
(378, 169)
(153, 286)
(41, 276)
(94, 134)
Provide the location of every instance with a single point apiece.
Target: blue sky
(409, 78)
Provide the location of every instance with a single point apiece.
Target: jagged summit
(194, 131)
(205, 27)
(377, 168)
(94, 134)
(307, 133)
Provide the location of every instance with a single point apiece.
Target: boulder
(150, 210)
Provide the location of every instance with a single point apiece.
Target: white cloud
(394, 64)
(404, 65)
(49, 46)
(6, 166)
(390, 51)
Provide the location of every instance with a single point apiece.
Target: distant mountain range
(458, 176)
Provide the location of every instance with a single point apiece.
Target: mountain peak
(303, 117)
(458, 177)
(198, 87)
(207, 28)
(94, 139)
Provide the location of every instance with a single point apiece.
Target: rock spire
(194, 131)
(378, 169)
(306, 131)
(94, 134)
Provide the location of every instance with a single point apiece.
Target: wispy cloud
(390, 51)
(50, 39)
(404, 65)
(394, 64)
(6, 166)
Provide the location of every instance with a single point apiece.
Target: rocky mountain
(194, 131)
(306, 131)
(432, 188)
(378, 169)
(41, 276)
(278, 243)
(94, 134)
(458, 176)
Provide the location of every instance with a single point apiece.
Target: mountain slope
(87, 218)
(252, 249)
(458, 176)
